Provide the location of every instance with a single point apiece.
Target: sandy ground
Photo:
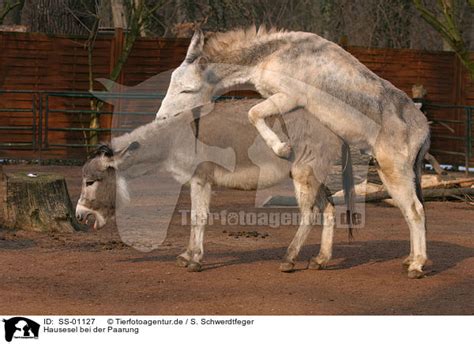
(95, 273)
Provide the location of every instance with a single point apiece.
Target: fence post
(468, 137)
(40, 123)
(34, 123)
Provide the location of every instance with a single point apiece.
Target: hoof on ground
(314, 265)
(287, 267)
(283, 150)
(181, 262)
(416, 274)
(194, 267)
(407, 262)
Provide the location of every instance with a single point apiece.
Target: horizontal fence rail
(25, 124)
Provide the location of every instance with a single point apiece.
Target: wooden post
(3, 198)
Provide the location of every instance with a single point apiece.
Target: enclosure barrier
(49, 112)
(465, 139)
(57, 124)
(29, 113)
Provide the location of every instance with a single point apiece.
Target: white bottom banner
(235, 329)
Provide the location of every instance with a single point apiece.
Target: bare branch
(7, 7)
(448, 30)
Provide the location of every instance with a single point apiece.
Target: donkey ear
(202, 62)
(116, 158)
(130, 148)
(195, 47)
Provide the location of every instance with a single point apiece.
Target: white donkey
(187, 152)
(299, 69)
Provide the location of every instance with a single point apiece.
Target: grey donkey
(302, 70)
(172, 147)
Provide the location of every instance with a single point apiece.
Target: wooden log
(37, 202)
(428, 194)
(463, 182)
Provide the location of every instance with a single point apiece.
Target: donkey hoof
(283, 150)
(182, 262)
(314, 265)
(287, 267)
(407, 262)
(194, 267)
(416, 274)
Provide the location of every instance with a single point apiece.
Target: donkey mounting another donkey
(300, 69)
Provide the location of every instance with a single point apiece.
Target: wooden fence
(36, 62)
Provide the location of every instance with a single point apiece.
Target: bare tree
(54, 16)
(119, 14)
(369, 23)
(130, 16)
(444, 20)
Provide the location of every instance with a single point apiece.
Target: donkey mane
(242, 46)
(102, 149)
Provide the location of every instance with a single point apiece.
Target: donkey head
(189, 87)
(100, 185)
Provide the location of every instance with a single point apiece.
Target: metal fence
(55, 125)
(83, 113)
(461, 140)
(29, 132)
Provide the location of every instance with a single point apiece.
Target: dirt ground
(95, 273)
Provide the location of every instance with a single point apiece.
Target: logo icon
(21, 328)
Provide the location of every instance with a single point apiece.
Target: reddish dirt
(95, 273)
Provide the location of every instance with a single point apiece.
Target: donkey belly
(250, 177)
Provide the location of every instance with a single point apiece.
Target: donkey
(300, 69)
(172, 148)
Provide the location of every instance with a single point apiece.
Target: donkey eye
(188, 91)
(90, 182)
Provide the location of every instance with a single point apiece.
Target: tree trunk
(38, 203)
(119, 15)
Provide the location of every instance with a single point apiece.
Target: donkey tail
(348, 184)
(417, 167)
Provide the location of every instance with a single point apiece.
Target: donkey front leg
(200, 199)
(306, 188)
(329, 220)
(279, 103)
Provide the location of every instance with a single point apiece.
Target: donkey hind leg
(329, 221)
(399, 182)
(200, 199)
(306, 188)
(278, 103)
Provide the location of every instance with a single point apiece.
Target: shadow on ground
(443, 255)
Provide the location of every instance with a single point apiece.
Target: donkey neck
(228, 76)
(155, 140)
